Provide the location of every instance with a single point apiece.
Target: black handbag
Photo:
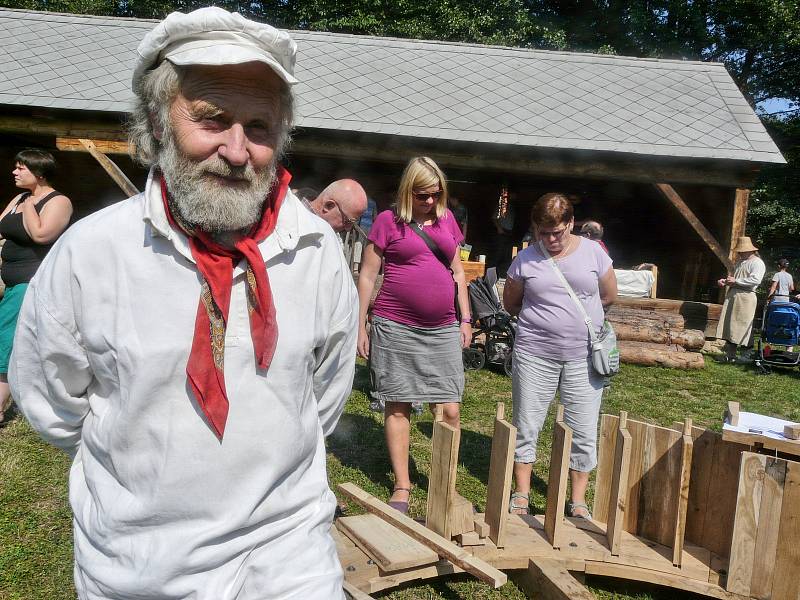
(437, 252)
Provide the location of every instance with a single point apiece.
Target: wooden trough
(677, 507)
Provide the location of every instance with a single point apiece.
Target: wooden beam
(788, 550)
(557, 483)
(527, 161)
(354, 593)
(498, 487)
(111, 168)
(392, 549)
(69, 128)
(619, 486)
(732, 413)
(745, 525)
(682, 491)
(739, 222)
(769, 522)
(670, 194)
(443, 547)
(66, 144)
(442, 481)
(548, 579)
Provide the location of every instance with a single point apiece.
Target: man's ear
(155, 125)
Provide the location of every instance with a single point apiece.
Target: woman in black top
(29, 225)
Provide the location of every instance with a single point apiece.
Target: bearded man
(191, 346)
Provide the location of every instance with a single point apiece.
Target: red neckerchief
(215, 262)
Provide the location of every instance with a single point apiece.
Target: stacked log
(656, 338)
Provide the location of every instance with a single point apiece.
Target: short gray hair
(593, 230)
(154, 97)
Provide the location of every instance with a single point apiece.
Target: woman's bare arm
(46, 226)
(608, 288)
(371, 258)
(512, 296)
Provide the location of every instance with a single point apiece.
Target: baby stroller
(493, 328)
(779, 343)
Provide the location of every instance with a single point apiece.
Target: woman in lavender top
(552, 347)
(414, 342)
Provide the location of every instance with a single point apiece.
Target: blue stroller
(779, 345)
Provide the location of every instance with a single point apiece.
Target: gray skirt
(415, 364)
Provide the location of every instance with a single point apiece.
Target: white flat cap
(213, 36)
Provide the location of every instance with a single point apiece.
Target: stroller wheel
(473, 359)
(508, 364)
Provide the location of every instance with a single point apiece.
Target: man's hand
(721, 282)
(731, 280)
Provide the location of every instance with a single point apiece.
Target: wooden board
(682, 492)
(550, 580)
(606, 450)
(473, 269)
(788, 549)
(462, 515)
(501, 465)
(559, 473)
(390, 548)
(442, 481)
(354, 593)
(769, 517)
(444, 547)
(751, 439)
(619, 487)
(745, 526)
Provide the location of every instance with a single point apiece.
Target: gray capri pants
(535, 381)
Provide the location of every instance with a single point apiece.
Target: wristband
(466, 320)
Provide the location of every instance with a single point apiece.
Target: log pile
(656, 337)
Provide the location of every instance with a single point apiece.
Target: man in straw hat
(190, 347)
(736, 323)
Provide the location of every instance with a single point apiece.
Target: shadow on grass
(361, 379)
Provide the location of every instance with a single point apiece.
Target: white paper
(770, 427)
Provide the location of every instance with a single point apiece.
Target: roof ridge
(77, 15)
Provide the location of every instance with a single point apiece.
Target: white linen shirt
(162, 508)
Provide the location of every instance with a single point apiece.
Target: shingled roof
(422, 89)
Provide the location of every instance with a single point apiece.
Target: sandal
(400, 506)
(519, 509)
(573, 506)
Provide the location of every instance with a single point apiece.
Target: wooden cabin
(662, 152)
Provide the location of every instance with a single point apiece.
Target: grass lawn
(35, 536)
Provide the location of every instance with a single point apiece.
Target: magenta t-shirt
(417, 288)
(550, 325)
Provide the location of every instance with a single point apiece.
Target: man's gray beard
(204, 203)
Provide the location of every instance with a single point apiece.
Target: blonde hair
(420, 173)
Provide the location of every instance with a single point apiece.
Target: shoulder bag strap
(433, 246)
(586, 318)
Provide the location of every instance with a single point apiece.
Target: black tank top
(21, 255)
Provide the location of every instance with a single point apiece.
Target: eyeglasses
(349, 220)
(422, 196)
(557, 234)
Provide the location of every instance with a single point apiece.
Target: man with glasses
(341, 204)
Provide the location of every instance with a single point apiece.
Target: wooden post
(111, 168)
(442, 483)
(557, 483)
(674, 198)
(745, 525)
(619, 485)
(739, 221)
(498, 488)
(732, 413)
(687, 447)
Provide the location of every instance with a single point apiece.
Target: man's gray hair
(154, 97)
(593, 230)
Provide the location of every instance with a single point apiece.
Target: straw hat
(744, 245)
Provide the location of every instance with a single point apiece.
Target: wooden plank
(682, 492)
(431, 539)
(498, 487)
(619, 486)
(660, 473)
(548, 579)
(745, 526)
(67, 144)
(470, 538)
(675, 199)
(787, 554)
(390, 548)
(723, 488)
(557, 483)
(638, 431)
(672, 580)
(354, 593)
(111, 168)
(607, 444)
(732, 413)
(442, 480)
(768, 443)
(769, 516)
(462, 515)
(741, 202)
